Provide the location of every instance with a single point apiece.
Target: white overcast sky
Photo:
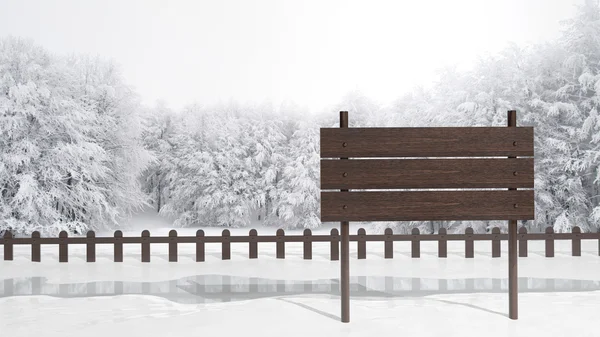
(311, 52)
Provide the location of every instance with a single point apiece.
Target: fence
(361, 238)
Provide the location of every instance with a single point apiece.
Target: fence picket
(199, 245)
(226, 245)
(118, 246)
(522, 242)
(361, 244)
(172, 245)
(8, 246)
(549, 242)
(335, 244)
(307, 244)
(496, 242)
(415, 243)
(388, 246)
(145, 245)
(576, 241)
(35, 247)
(469, 246)
(91, 246)
(63, 247)
(280, 245)
(443, 243)
(253, 245)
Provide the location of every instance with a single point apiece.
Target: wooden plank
(427, 205)
(426, 142)
(427, 173)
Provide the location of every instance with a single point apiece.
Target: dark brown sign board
(410, 172)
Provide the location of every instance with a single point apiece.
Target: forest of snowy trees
(78, 151)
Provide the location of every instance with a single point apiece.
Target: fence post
(523, 242)
(469, 248)
(91, 246)
(199, 245)
(388, 245)
(226, 245)
(35, 247)
(335, 244)
(361, 244)
(280, 245)
(8, 246)
(496, 242)
(443, 243)
(145, 245)
(253, 245)
(307, 244)
(415, 243)
(172, 245)
(576, 241)
(118, 246)
(63, 247)
(549, 242)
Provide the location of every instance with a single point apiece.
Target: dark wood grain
(426, 142)
(427, 205)
(427, 173)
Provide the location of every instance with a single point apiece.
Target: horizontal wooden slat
(427, 142)
(427, 205)
(427, 173)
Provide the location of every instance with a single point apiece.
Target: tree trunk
(158, 197)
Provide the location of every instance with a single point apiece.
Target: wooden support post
(345, 246)
(513, 291)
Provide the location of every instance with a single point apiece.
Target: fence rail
(361, 238)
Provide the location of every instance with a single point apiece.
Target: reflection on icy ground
(225, 288)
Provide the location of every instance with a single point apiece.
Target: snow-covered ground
(428, 296)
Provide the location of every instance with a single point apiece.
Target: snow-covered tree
(57, 171)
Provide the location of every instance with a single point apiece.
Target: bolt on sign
(472, 172)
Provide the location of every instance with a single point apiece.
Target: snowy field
(428, 296)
